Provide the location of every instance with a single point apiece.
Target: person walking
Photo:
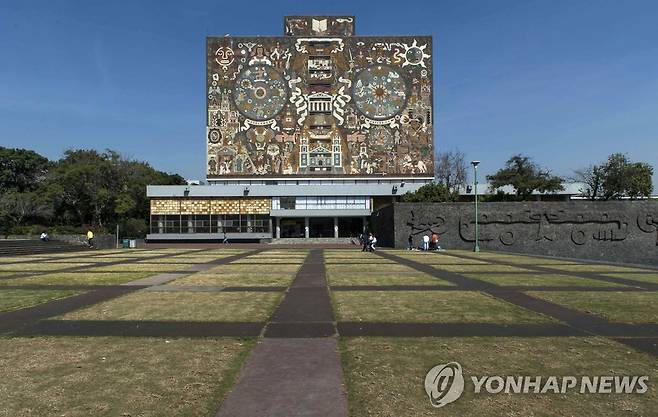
(364, 241)
(373, 242)
(410, 246)
(225, 241)
(426, 242)
(90, 238)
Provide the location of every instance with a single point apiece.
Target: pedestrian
(373, 242)
(364, 241)
(225, 241)
(435, 241)
(410, 246)
(44, 237)
(426, 242)
(90, 238)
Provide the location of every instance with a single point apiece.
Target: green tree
(623, 178)
(21, 169)
(430, 193)
(522, 173)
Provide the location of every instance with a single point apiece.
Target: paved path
(295, 369)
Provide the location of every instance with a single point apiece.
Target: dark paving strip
(289, 377)
(356, 329)
(582, 274)
(254, 289)
(300, 330)
(645, 344)
(575, 318)
(307, 299)
(141, 328)
(501, 289)
(295, 370)
(14, 320)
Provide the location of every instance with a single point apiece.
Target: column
(306, 229)
(335, 227)
(365, 223)
(278, 227)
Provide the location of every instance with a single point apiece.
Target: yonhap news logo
(444, 384)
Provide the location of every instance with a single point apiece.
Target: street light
(475, 185)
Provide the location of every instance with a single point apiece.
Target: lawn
(429, 307)
(627, 307)
(384, 376)
(367, 267)
(140, 267)
(41, 266)
(653, 278)
(367, 278)
(481, 268)
(236, 280)
(183, 306)
(254, 269)
(78, 278)
(113, 376)
(540, 279)
(16, 299)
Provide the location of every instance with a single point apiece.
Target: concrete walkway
(295, 370)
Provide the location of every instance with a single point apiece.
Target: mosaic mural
(319, 102)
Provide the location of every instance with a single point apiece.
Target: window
(287, 203)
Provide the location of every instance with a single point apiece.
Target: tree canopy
(84, 187)
(525, 176)
(430, 193)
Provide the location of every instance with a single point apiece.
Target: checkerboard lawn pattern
(18, 298)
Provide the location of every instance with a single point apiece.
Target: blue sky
(566, 82)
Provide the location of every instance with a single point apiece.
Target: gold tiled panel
(211, 206)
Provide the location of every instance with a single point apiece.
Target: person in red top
(435, 241)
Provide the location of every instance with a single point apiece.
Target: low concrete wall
(619, 231)
(100, 241)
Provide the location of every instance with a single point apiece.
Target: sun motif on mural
(260, 92)
(379, 92)
(414, 54)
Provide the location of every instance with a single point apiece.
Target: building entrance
(292, 228)
(321, 227)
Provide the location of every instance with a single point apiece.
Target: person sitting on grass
(44, 237)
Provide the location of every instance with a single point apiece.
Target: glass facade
(321, 203)
(210, 223)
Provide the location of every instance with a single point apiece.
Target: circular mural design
(260, 92)
(379, 92)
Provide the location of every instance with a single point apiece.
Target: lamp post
(475, 187)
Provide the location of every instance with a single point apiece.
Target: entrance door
(292, 228)
(321, 227)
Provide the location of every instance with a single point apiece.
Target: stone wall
(620, 231)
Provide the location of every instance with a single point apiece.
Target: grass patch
(366, 267)
(232, 269)
(137, 267)
(236, 280)
(597, 268)
(15, 299)
(41, 266)
(540, 280)
(183, 306)
(626, 307)
(78, 278)
(481, 268)
(385, 376)
(653, 278)
(113, 376)
(384, 279)
(269, 261)
(429, 307)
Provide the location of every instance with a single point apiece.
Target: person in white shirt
(426, 242)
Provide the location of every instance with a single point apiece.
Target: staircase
(11, 247)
